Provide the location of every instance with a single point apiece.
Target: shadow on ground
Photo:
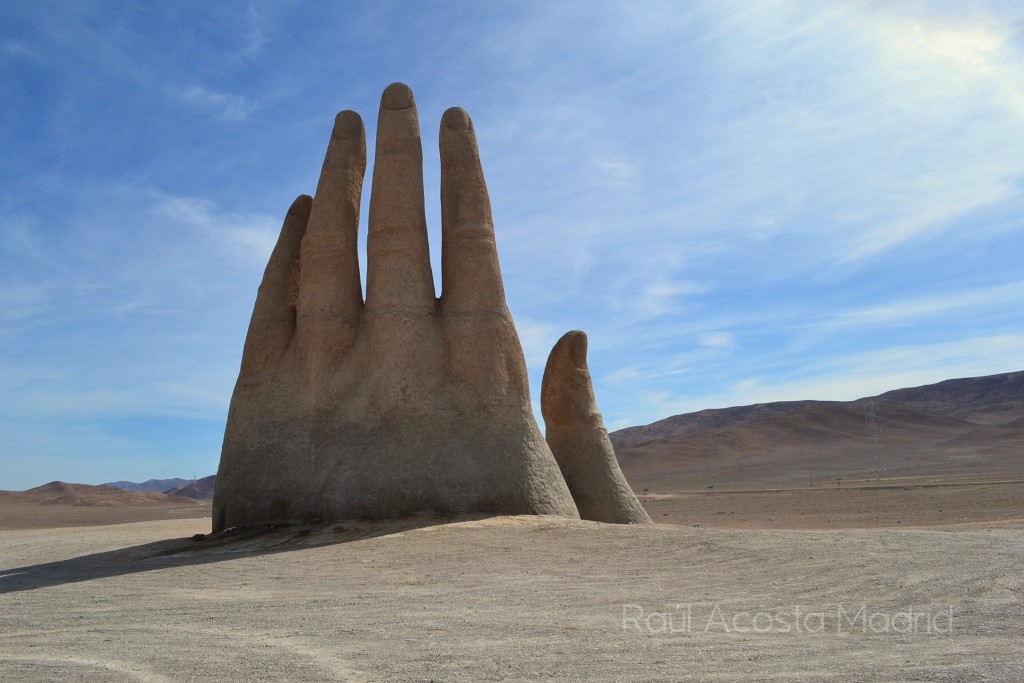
(233, 543)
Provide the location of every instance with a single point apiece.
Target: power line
(875, 434)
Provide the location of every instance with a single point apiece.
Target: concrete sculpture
(405, 403)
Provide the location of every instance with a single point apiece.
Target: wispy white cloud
(618, 173)
(717, 340)
(22, 300)
(657, 297)
(231, 107)
(966, 49)
(912, 310)
(255, 37)
(16, 48)
(251, 236)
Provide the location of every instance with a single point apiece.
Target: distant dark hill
(962, 426)
(200, 489)
(154, 485)
(994, 399)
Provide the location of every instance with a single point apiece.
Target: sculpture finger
(272, 325)
(471, 276)
(579, 440)
(398, 277)
(330, 298)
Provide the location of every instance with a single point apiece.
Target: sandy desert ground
(519, 598)
(899, 502)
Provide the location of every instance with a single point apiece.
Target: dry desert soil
(881, 581)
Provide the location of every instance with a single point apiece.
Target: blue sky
(738, 201)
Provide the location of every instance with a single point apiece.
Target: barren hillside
(971, 426)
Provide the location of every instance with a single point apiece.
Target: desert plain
(879, 580)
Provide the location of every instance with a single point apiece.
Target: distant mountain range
(86, 495)
(155, 485)
(198, 489)
(972, 426)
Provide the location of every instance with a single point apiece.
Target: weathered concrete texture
(579, 440)
(404, 403)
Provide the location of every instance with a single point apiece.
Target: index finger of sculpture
(330, 298)
(470, 273)
(398, 274)
(273, 318)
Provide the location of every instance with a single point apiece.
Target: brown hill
(1008, 436)
(994, 399)
(689, 423)
(59, 504)
(61, 493)
(971, 426)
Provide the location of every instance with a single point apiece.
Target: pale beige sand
(503, 599)
(20, 514)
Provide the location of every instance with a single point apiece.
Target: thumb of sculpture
(577, 436)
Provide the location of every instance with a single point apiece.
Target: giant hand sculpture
(404, 403)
